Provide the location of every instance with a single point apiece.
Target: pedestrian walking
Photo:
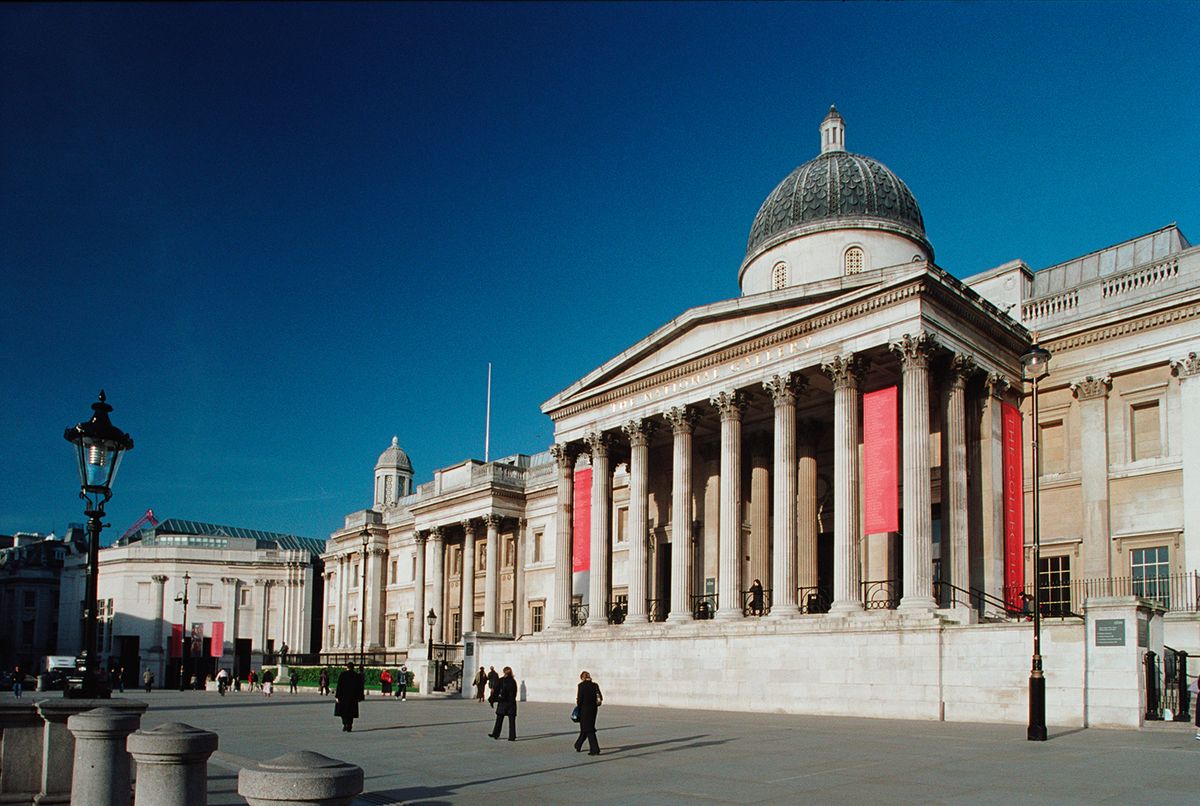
(18, 681)
(587, 701)
(120, 675)
(402, 683)
(222, 681)
(148, 679)
(323, 682)
(385, 683)
(252, 679)
(480, 682)
(293, 681)
(493, 681)
(348, 695)
(506, 705)
(756, 598)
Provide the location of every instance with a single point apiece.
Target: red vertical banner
(881, 497)
(176, 645)
(581, 523)
(217, 647)
(1014, 506)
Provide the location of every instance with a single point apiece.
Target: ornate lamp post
(1036, 365)
(362, 616)
(431, 619)
(99, 446)
(184, 654)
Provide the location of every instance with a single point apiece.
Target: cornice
(1183, 313)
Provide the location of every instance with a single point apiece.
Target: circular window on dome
(854, 260)
(779, 276)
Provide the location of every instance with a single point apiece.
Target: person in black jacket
(348, 695)
(506, 705)
(587, 699)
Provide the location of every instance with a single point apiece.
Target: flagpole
(487, 427)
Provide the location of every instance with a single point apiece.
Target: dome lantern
(833, 132)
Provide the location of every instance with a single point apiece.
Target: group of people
(502, 695)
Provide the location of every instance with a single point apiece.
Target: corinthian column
(918, 519)
(638, 432)
(437, 544)
(730, 405)
(1092, 394)
(806, 508)
(491, 578)
(846, 373)
(683, 423)
(159, 581)
(783, 390)
(564, 457)
(598, 444)
(962, 367)
(419, 589)
(468, 577)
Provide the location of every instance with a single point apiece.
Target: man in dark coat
(587, 699)
(493, 680)
(348, 695)
(506, 705)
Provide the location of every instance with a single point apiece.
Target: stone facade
(30, 570)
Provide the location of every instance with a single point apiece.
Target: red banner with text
(581, 523)
(881, 503)
(1014, 506)
(217, 647)
(176, 645)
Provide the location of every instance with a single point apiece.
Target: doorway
(662, 583)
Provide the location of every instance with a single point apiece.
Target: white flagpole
(487, 427)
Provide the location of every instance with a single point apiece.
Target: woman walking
(587, 700)
(506, 705)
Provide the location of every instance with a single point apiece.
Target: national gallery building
(828, 481)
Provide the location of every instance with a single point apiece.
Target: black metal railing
(617, 611)
(948, 594)
(881, 594)
(579, 615)
(1176, 592)
(447, 667)
(813, 600)
(1179, 680)
(756, 602)
(339, 658)
(704, 605)
(657, 609)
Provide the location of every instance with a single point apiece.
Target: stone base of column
(917, 604)
(783, 613)
(674, 618)
(726, 614)
(845, 608)
(558, 626)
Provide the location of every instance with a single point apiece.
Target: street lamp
(1036, 364)
(184, 654)
(99, 446)
(431, 619)
(362, 620)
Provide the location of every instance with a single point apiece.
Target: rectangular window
(391, 631)
(509, 549)
(205, 592)
(392, 573)
(537, 547)
(409, 632)
(244, 597)
(536, 614)
(354, 577)
(456, 625)
(1054, 585)
(414, 567)
(507, 620)
(1147, 435)
(1052, 448)
(1151, 572)
(622, 524)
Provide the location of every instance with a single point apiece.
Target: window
(205, 591)
(354, 576)
(456, 627)
(537, 547)
(414, 566)
(537, 614)
(779, 276)
(622, 524)
(1151, 571)
(507, 620)
(854, 260)
(392, 573)
(1052, 455)
(244, 597)
(509, 548)
(391, 631)
(1145, 428)
(1054, 585)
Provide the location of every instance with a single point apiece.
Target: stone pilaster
(491, 579)
(784, 389)
(231, 610)
(914, 352)
(958, 569)
(265, 620)
(1187, 370)
(846, 372)
(520, 542)
(1092, 394)
(468, 577)
(683, 424)
(372, 621)
(598, 444)
(564, 457)
(730, 405)
(419, 609)
(638, 432)
(437, 572)
(343, 637)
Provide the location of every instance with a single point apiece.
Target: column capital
(846, 371)
(997, 385)
(564, 455)
(226, 580)
(436, 534)
(682, 419)
(598, 443)
(263, 582)
(162, 578)
(729, 404)
(420, 537)
(1188, 367)
(639, 432)
(492, 520)
(468, 525)
(962, 367)
(914, 349)
(1091, 387)
(784, 389)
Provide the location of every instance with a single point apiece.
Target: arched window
(779, 276)
(854, 260)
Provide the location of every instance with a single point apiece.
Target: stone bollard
(101, 771)
(20, 751)
(172, 763)
(58, 745)
(301, 779)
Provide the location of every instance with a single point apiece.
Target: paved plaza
(436, 751)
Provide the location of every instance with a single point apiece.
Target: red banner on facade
(217, 648)
(175, 646)
(881, 501)
(1014, 506)
(581, 522)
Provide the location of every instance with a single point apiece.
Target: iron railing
(339, 658)
(579, 615)
(704, 605)
(881, 594)
(813, 600)
(756, 603)
(657, 609)
(616, 612)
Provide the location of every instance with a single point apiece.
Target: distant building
(249, 592)
(30, 568)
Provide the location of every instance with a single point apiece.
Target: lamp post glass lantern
(362, 617)
(99, 446)
(1036, 366)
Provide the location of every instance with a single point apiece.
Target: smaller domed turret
(393, 476)
(833, 132)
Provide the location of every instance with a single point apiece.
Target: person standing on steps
(587, 700)
(348, 695)
(506, 704)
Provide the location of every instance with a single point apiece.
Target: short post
(1183, 713)
(172, 764)
(101, 768)
(58, 743)
(1153, 709)
(21, 729)
(300, 778)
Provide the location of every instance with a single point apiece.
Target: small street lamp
(431, 619)
(1036, 364)
(362, 617)
(184, 654)
(99, 446)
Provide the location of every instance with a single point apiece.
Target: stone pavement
(436, 751)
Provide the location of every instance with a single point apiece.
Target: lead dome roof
(395, 457)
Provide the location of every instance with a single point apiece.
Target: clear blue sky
(279, 234)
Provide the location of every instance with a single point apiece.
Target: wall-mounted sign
(1110, 632)
(1143, 632)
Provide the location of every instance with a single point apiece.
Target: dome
(394, 456)
(836, 189)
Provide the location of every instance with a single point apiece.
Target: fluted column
(1092, 394)
(759, 514)
(564, 457)
(372, 562)
(784, 390)
(992, 484)
(468, 577)
(918, 518)
(1187, 370)
(962, 367)
(730, 405)
(846, 373)
(491, 581)
(159, 580)
(683, 424)
(520, 541)
(806, 508)
(265, 621)
(344, 637)
(598, 444)
(419, 610)
(639, 432)
(437, 572)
